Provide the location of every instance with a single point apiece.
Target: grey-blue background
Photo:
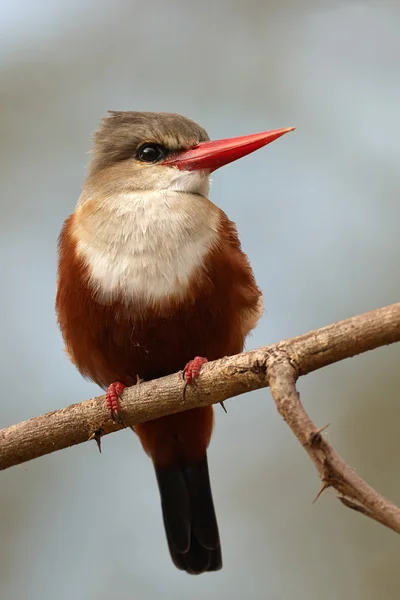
(318, 214)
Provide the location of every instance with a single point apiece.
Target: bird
(152, 280)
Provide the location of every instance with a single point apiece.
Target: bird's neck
(144, 245)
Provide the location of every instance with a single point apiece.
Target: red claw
(113, 394)
(192, 369)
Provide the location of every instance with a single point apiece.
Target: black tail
(189, 517)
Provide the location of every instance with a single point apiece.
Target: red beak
(213, 155)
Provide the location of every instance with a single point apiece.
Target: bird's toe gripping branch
(113, 395)
(191, 373)
(192, 369)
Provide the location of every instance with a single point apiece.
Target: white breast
(145, 245)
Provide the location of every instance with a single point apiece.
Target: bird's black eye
(151, 153)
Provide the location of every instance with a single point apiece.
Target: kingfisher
(152, 280)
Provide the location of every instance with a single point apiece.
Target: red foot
(113, 394)
(192, 369)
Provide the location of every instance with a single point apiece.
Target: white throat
(146, 245)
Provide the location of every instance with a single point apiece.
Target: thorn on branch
(315, 436)
(223, 406)
(321, 490)
(96, 436)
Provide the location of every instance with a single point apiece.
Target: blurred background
(318, 214)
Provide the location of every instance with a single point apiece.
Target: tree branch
(277, 365)
(333, 471)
